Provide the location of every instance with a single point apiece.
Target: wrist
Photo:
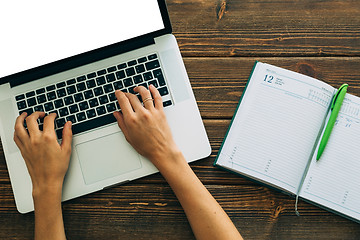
(47, 191)
(171, 159)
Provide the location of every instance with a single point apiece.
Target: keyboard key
(152, 56)
(60, 84)
(148, 76)
(111, 107)
(31, 101)
(20, 97)
(101, 72)
(81, 116)
(91, 75)
(122, 66)
(21, 105)
(83, 105)
(120, 74)
(71, 118)
(88, 94)
(39, 108)
(167, 103)
(100, 80)
(163, 91)
(93, 102)
(118, 85)
(41, 98)
(81, 78)
(63, 112)
(112, 97)
(100, 110)
(128, 82)
(108, 88)
(131, 90)
(80, 86)
(91, 113)
(154, 83)
(59, 103)
(111, 69)
(91, 83)
(78, 97)
(132, 63)
(29, 111)
(138, 79)
(40, 91)
(55, 111)
(140, 68)
(71, 90)
(73, 108)
(69, 100)
(144, 85)
(141, 60)
(71, 81)
(51, 95)
(110, 77)
(161, 81)
(50, 88)
(103, 100)
(49, 106)
(61, 92)
(130, 72)
(30, 94)
(90, 124)
(152, 65)
(60, 122)
(98, 91)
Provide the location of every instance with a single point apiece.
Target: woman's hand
(145, 126)
(46, 160)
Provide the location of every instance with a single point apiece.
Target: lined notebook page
(334, 180)
(276, 126)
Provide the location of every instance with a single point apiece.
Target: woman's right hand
(145, 126)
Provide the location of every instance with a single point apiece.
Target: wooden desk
(220, 40)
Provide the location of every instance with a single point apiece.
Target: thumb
(67, 137)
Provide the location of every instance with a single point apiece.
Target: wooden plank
(152, 211)
(219, 82)
(266, 28)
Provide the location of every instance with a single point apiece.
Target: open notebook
(275, 132)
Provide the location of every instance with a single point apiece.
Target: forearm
(207, 219)
(48, 215)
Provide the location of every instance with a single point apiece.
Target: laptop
(69, 57)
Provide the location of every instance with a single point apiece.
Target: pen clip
(345, 85)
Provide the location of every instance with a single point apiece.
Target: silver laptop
(69, 57)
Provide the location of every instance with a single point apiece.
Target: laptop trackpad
(107, 157)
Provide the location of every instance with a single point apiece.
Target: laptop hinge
(76, 61)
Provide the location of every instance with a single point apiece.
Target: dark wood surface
(220, 40)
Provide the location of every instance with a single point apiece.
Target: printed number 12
(268, 78)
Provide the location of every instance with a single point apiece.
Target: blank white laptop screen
(37, 32)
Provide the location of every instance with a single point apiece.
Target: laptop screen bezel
(90, 56)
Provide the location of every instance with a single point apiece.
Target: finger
(49, 123)
(67, 137)
(157, 97)
(145, 96)
(32, 123)
(134, 101)
(20, 130)
(18, 142)
(121, 123)
(124, 102)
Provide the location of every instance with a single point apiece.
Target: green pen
(335, 108)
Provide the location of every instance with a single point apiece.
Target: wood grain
(266, 28)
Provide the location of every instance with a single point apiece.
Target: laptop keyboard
(88, 101)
